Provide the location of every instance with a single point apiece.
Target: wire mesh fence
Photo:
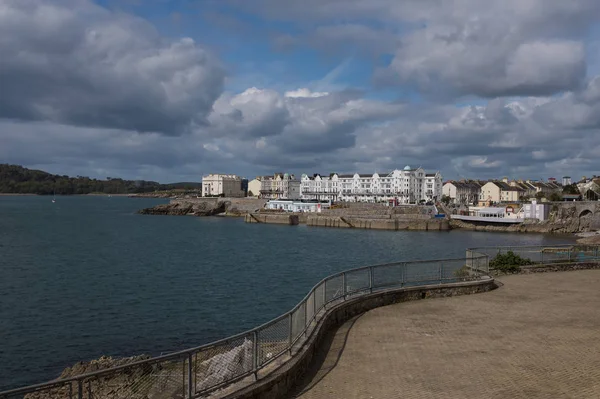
(357, 281)
(422, 273)
(334, 288)
(390, 275)
(298, 321)
(273, 339)
(320, 296)
(455, 270)
(223, 362)
(58, 390)
(310, 307)
(162, 379)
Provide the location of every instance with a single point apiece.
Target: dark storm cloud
(73, 62)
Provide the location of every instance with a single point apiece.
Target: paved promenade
(538, 336)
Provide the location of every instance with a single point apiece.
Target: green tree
(555, 197)
(571, 189)
(445, 199)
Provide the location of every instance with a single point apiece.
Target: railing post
(403, 275)
(440, 272)
(314, 295)
(255, 354)
(542, 256)
(79, 389)
(371, 279)
(344, 285)
(190, 373)
(306, 318)
(290, 333)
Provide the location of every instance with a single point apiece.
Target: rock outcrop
(207, 207)
(183, 207)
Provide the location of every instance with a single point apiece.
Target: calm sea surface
(86, 276)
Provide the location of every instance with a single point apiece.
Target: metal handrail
(292, 340)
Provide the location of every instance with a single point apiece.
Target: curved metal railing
(199, 371)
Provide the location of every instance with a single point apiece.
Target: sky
(171, 90)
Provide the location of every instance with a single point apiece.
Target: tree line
(15, 179)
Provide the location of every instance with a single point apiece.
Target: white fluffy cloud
(452, 48)
(300, 93)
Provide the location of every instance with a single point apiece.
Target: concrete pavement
(537, 336)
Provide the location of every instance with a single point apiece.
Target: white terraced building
(403, 186)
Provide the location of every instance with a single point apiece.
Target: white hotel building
(404, 186)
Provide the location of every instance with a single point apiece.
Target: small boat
(53, 197)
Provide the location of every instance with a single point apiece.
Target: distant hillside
(15, 179)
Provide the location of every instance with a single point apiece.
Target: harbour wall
(272, 218)
(378, 224)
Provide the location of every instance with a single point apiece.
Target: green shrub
(509, 262)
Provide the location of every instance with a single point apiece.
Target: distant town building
(566, 181)
(215, 185)
(245, 186)
(402, 186)
(590, 188)
(463, 192)
(254, 187)
(280, 186)
(536, 211)
(500, 191)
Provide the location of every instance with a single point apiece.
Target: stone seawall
(272, 218)
(378, 224)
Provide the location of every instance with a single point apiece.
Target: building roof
(505, 186)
